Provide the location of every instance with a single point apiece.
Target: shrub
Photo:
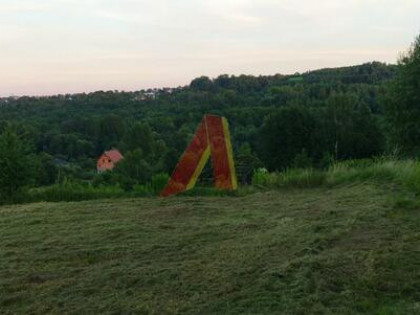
(16, 171)
(301, 178)
(260, 177)
(145, 190)
(380, 170)
(159, 181)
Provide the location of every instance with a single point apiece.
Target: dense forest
(277, 122)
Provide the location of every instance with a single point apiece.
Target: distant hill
(80, 127)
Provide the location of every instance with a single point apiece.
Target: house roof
(114, 155)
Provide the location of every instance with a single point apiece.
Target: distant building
(108, 160)
(146, 96)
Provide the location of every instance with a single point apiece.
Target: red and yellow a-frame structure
(211, 139)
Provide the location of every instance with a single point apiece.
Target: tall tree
(351, 129)
(134, 167)
(403, 103)
(288, 133)
(15, 163)
(202, 83)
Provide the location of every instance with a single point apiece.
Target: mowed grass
(342, 250)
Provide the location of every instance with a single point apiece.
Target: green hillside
(312, 118)
(344, 250)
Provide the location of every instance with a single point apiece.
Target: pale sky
(70, 46)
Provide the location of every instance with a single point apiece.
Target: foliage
(246, 162)
(351, 130)
(72, 191)
(105, 186)
(260, 177)
(291, 178)
(159, 181)
(202, 84)
(384, 171)
(287, 133)
(403, 103)
(134, 166)
(16, 164)
(282, 121)
(47, 171)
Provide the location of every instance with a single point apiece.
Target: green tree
(351, 129)
(403, 103)
(109, 131)
(202, 83)
(47, 172)
(288, 133)
(15, 164)
(139, 136)
(134, 167)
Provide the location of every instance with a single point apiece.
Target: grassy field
(342, 250)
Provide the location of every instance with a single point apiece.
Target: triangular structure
(211, 139)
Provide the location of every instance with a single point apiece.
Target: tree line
(302, 120)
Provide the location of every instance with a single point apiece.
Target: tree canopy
(403, 103)
(304, 119)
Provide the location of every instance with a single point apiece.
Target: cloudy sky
(68, 46)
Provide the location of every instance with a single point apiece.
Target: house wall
(104, 163)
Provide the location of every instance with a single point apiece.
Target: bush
(296, 178)
(16, 170)
(380, 170)
(260, 177)
(158, 182)
(145, 190)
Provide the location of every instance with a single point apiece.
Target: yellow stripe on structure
(199, 168)
(229, 153)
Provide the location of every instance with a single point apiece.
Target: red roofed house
(108, 160)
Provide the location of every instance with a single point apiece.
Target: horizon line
(16, 96)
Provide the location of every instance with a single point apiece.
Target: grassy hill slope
(344, 250)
